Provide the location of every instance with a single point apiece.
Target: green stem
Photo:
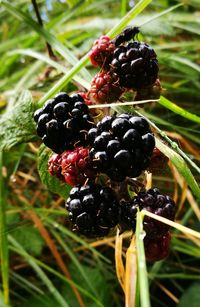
(3, 238)
(141, 262)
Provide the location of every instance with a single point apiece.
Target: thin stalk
(4, 255)
(141, 263)
(39, 18)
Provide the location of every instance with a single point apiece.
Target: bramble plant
(105, 139)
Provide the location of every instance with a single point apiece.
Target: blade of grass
(123, 7)
(24, 283)
(178, 110)
(50, 243)
(52, 289)
(137, 9)
(131, 275)
(75, 260)
(50, 38)
(46, 59)
(161, 14)
(37, 264)
(187, 231)
(175, 276)
(175, 146)
(76, 238)
(181, 166)
(4, 254)
(2, 304)
(119, 266)
(141, 262)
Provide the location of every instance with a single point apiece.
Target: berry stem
(39, 18)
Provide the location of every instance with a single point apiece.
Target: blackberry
(135, 65)
(93, 209)
(121, 146)
(105, 88)
(101, 52)
(157, 249)
(153, 201)
(76, 166)
(63, 122)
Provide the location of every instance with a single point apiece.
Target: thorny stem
(37, 12)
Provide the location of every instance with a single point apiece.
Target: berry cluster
(121, 146)
(118, 146)
(63, 122)
(124, 66)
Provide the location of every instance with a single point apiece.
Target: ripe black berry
(121, 146)
(153, 201)
(93, 210)
(134, 64)
(63, 122)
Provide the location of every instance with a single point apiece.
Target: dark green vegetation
(42, 262)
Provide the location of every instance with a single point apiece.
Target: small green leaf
(17, 125)
(29, 238)
(52, 183)
(191, 296)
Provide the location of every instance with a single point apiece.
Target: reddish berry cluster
(72, 166)
(124, 67)
(117, 148)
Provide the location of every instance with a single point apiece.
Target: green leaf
(40, 301)
(191, 296)
(96, 279)
(17, 125)
(53, 184)
(29, 238)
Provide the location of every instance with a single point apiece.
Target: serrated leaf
(53, 184)
(191, 296)
(17, 124)
(29, 238)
